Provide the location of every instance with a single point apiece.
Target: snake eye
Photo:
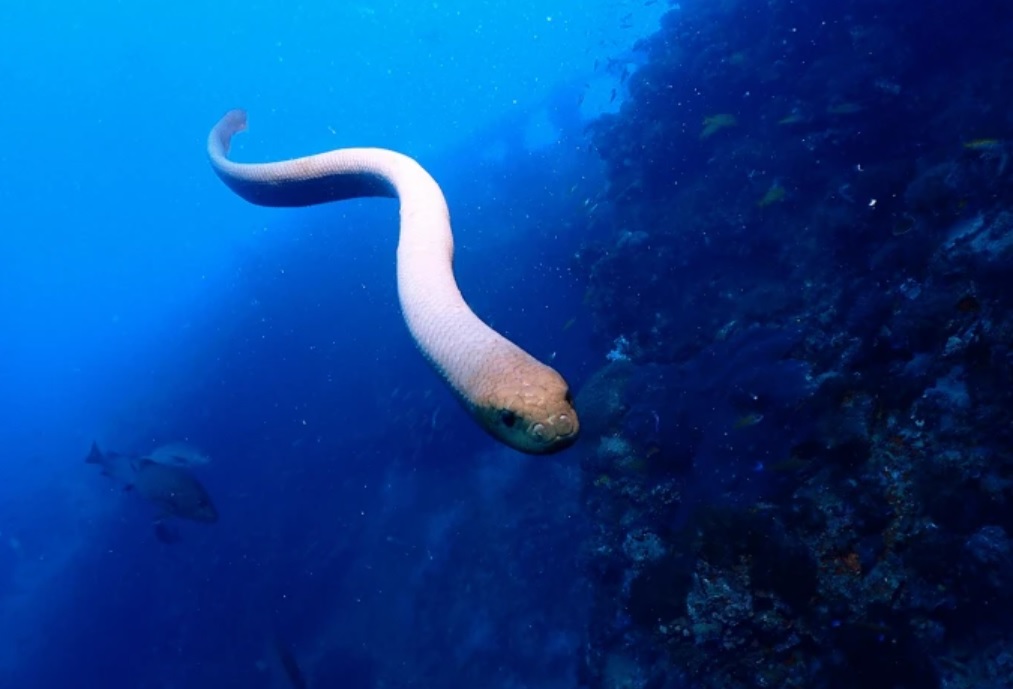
(508, 418)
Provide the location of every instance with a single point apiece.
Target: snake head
(534, 419)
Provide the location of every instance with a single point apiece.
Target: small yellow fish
(775, 194)
(715, 123)
(982, 144)
(748, 420)
(844, 108)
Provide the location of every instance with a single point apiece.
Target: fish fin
(137, 464)
(95, 455)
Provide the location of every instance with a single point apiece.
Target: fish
(747, 420)
(172, 490)
(179, 455)
(844, 108)
(983, 144)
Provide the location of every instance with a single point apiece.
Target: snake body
(516, 398)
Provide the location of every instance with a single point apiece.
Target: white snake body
(519, 400)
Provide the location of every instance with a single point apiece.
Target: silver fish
(178, 455)
(171, 489)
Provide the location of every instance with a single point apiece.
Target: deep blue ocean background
(767, 242)
(143, 303)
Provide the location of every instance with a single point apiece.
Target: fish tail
(95, 456)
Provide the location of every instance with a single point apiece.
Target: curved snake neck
(519, 400)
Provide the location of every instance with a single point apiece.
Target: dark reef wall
(798, 458)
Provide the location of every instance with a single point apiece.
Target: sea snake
(516, 398)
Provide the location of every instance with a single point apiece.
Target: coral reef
(799, 467)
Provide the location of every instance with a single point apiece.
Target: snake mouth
(559, 433)
(543, 435)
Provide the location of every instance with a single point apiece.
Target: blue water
(143, 303)
(767, 244)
